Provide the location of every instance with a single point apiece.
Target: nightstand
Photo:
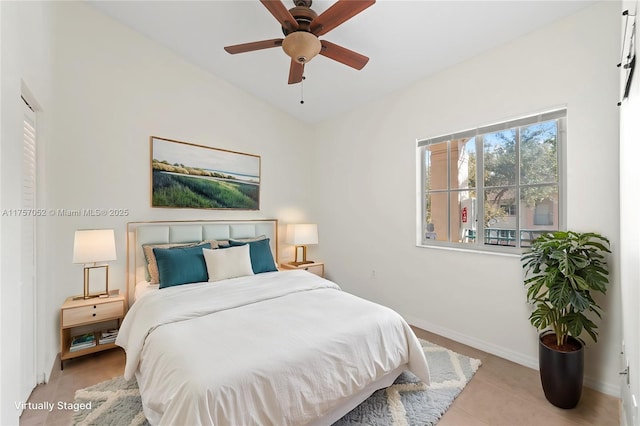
(90, 313)
(315, 267)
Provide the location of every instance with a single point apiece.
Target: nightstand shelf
(315, 267)
(89, 313)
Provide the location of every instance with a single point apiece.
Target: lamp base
(90, 296)
(93, 271)
(305, 262)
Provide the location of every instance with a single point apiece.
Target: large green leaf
(560, 295)
(579, 301)
(543, 316)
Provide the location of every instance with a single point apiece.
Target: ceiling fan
(302, 27)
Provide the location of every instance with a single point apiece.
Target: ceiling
(406, 40)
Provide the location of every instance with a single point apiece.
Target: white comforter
(278, 348)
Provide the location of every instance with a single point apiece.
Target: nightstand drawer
(92, 313)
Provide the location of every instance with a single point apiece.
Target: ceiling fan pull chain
(302, 90)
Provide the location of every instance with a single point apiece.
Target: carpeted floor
(407, 402)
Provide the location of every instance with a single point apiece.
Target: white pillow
(228, 263)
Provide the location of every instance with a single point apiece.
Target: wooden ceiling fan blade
(296, 70)
(339, 12)
(256, 45)
(343, 55)
(281, 13)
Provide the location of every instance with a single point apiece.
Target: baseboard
(499, 351)
(47, 371)
(606, 388)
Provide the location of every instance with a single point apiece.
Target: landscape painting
(185, 175)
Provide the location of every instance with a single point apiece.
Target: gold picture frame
(186, 175)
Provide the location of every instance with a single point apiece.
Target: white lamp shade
(302, 233)
(94, 245)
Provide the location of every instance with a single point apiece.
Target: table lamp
(301, 235)
(91, 246)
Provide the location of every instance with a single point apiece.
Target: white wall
(114, 89)
(365, 191)
(26, 63)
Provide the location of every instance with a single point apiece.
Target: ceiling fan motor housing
(301, 45)
(303, 16)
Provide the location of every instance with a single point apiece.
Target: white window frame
(423, 235)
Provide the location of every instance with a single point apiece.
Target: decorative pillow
(153, 275)
(248, 240)
(260, 253)
(228, 263)
(181, 265)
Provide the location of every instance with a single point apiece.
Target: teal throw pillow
(181, 265)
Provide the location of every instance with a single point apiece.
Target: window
(493, 188)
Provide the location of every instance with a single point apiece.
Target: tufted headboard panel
(139, 233)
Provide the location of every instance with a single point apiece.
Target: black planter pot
(561, 374)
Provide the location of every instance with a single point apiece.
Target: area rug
(407, 402)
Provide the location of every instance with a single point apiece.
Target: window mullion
(479, 190)
(517, 189)
(449, 191)
(561, 146)
(423, 196)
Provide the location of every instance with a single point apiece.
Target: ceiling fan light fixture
(301, 46)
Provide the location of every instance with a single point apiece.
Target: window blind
(519, 122)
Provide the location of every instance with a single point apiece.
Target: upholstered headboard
(139, 233)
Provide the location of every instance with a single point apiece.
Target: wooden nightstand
(88, 312)
(315, 267)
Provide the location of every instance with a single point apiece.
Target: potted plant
(562, 270)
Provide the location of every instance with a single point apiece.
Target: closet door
(28, 258)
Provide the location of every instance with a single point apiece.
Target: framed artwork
(185, 175)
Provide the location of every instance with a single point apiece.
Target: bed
(268, 347)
